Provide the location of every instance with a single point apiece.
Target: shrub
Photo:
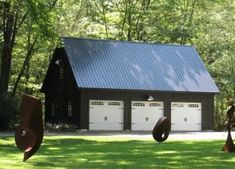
(8, 113)
(61, 127)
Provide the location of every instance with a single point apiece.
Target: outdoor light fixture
(58, 62)
(150, 98)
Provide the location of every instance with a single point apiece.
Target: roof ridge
(129, 42)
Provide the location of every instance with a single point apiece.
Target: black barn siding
(62, 90)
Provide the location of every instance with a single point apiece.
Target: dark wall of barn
(127, 96)
(60, 91)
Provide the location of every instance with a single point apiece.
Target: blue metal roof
(110, 64)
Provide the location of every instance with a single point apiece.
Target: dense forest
(31, 29)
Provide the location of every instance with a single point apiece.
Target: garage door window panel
(155, 104)
(138, 104)
(97, 103)
(114, 104)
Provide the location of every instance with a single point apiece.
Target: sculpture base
(229, 146)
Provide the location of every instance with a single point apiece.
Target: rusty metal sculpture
(229, 146)
(162, 129)
(29, 133)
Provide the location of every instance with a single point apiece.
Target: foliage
(112, 152)
(8, 113)
(207, 25)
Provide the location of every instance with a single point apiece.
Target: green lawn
(80, 152)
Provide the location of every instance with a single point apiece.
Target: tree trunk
(26, 62)
(6, 55)
(103, 12)
(129, 20)
(123, 22)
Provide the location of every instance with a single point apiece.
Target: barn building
(119, 85)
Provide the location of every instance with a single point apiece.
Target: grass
(68, 152)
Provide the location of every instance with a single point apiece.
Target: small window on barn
(177, 105)
(70, 109)
(139, 104)
(155, 105)
(97, 103)
(193, 105)
(114, 104)
(61, 72)
(53, 109)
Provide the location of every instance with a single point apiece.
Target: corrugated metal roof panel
(140, 66)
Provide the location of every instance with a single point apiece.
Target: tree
(9, 26)
(20, 17)
(35, 32)
(22, 22)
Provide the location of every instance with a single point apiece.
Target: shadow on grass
(77, 152)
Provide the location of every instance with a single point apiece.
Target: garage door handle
(120, 123)
(132, 123)
(172, 123)
(91, 122)
(105, 118)
(198, 123)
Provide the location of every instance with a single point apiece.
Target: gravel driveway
(204, 135)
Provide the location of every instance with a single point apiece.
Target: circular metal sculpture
(29, 133)
(162, 129)
(229, 146)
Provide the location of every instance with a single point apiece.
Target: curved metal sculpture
(29, 133)
(229, 146)
(162, 129)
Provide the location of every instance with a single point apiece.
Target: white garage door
(186, 116)
(145, 115)
(106, 115)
